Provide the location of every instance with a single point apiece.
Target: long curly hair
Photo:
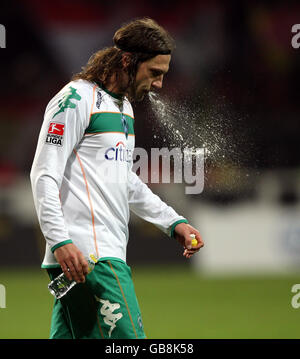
(142, 38)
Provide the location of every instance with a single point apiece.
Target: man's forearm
(48, 208)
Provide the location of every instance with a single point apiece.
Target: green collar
(113, 94)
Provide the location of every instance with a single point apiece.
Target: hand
(182, 234)
(72, 262)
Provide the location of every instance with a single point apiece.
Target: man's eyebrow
(160, 71)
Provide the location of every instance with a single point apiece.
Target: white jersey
(82, 179)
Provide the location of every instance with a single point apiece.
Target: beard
(135, 94)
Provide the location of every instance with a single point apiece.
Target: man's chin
(140, 97)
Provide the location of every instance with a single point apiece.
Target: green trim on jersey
(175, 224)
(109, 122)
(49, 266)
(60, 244)
(113, 94)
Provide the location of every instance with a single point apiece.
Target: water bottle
(61, 284)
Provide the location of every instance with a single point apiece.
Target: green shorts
(104, 307)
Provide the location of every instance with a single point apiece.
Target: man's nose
(157, 84)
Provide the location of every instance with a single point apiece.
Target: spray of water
(184, 125)
(181, 126)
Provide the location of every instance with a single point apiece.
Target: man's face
(150, 75)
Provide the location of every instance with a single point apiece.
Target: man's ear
(126, 58)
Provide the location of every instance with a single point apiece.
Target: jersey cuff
(60, 244)
(175, 224)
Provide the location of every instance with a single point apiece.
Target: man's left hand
(182, 233)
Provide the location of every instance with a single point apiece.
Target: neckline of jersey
(113, 94)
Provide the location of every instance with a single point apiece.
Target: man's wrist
(172, 233)
(60, 244)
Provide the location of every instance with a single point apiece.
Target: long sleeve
(65, 120)
(147, 205)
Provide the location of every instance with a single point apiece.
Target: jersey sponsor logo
(55, 134)
(107, 310)
(65, 101)
(118, 153)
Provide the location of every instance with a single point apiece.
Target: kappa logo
(66, 102)
(55, 134)
(107, 310)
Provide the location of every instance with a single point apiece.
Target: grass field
(176, 303)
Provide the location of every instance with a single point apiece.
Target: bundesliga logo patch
(55, 134)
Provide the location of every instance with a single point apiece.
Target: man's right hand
(72, 262)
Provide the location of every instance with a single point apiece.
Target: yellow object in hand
(194, 240)
(194, 243)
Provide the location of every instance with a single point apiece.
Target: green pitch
(175, 303)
